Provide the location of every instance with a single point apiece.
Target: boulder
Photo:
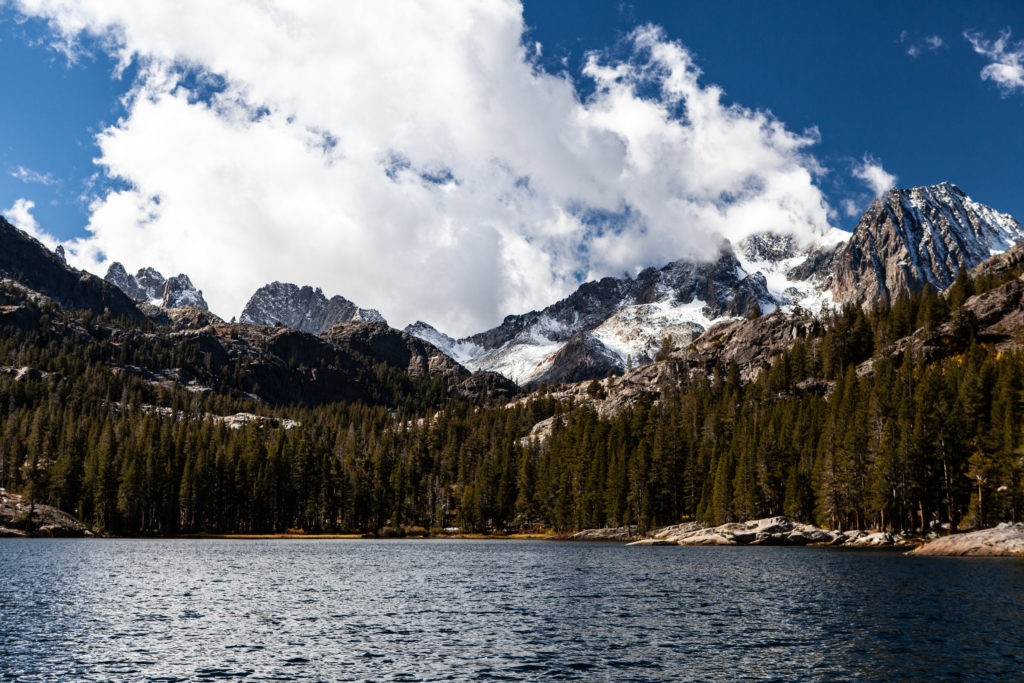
(805, 534)
(878, 538)
(19, 518)
(621, 533)
(1005, 540)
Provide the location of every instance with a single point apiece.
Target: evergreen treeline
(915, 440)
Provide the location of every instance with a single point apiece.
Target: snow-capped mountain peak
(915, 237)
(906, 239)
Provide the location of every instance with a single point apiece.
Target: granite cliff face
(911, 238)
(302, 308)
(149, 286)
(179, 292)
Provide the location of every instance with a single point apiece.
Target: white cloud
(1006, 67)
(27, 175)
(874, 176)
(851, 208)
(413, 157)
(917, 46)
(20, 216)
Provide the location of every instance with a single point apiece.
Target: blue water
(504, 610)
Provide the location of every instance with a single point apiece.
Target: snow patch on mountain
(521, 362)
(636, 332)
(775, 257)
(461, 351)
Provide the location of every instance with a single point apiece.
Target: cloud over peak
(870, 171)
(432, 170)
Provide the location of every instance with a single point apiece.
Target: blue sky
(843, 67)
(53, 111)
(501, 151)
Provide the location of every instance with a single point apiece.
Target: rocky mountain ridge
(608, 324)
(353, 361)
(29, 264)
(906, 239)
(303, 308)
(149, 286)
(993, 316)
(911, 238)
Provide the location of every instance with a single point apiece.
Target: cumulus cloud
(1006, 60)
(20, 216)
(415, 158)
(874, 176)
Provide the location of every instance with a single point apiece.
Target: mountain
(607, 324)
(911, 238)
(41, 299)
(25, 261)
(149, 286)
(367, 428)
(905, 240)
(302, 308)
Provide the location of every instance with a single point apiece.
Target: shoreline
(917, 548)
(300, 536)
(357, 537)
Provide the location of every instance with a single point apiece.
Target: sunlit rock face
(302, 308)
(149, 286)
(911, 238)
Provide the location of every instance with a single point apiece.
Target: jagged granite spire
(150, 286)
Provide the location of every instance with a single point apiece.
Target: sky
(459, 162)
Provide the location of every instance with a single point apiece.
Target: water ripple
(459, 610)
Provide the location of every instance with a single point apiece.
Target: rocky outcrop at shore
(620, 533)
(1005, 540)
(18, 518)
(769, 531)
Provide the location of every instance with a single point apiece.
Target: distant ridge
(302, 308)
(25, 260)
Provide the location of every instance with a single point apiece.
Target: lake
(166, 610)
